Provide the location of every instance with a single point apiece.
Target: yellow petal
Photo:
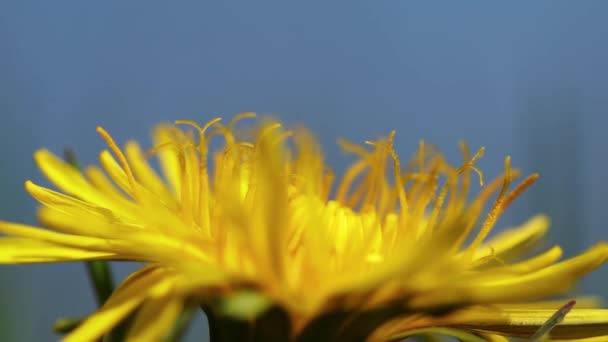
(197, 278)
(104, 185)
(587, 302)
(145, 173)
(116, 172)
(456, 333)
(513, 243)
(536, 285)
(128, 248)
(71, 222)
(20, 251)
(270, 197)
(536, 263)
(578, 323)
(147, 201)
(83, 211)
(167, 143)
(125, 299)
(70, 180)
(81, 242)
(590, 339)
(494, 337)
(155, 319)
(548, 281)
(130, 242)
(529, 265)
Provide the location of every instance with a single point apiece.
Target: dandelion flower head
(389, 249)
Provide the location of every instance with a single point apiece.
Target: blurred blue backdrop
(522, 78)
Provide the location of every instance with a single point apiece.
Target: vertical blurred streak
(552, 142)
(11, 208)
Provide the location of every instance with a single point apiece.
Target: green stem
(101, 278)
(182, 324)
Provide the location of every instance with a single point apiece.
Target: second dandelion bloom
(252, 225)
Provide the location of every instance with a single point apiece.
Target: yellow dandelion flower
(258, 233)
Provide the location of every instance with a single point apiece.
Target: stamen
(356, 197)
(376, 175)
(154, 150)
(489, 189)
(421, 156)
(121, 157)
(261, 142)
(201, 132)
(199, 194)
(494, 213)
(238, 118)
(328, 180)
(246, 145)
(404, 208)
(227, 131)
(349, 177)
(478, 204)
(283, 136)
(466, 154)
(423, 190)
(473, 160)
(352, 172)
(353, 148)
(439, 203)
(188, 163)
(531, 179)
(461, 185)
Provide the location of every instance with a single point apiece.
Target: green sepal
(348, 325)
(66, 325)
(244, 305)
(247, 316)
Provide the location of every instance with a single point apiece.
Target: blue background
(527, 79)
